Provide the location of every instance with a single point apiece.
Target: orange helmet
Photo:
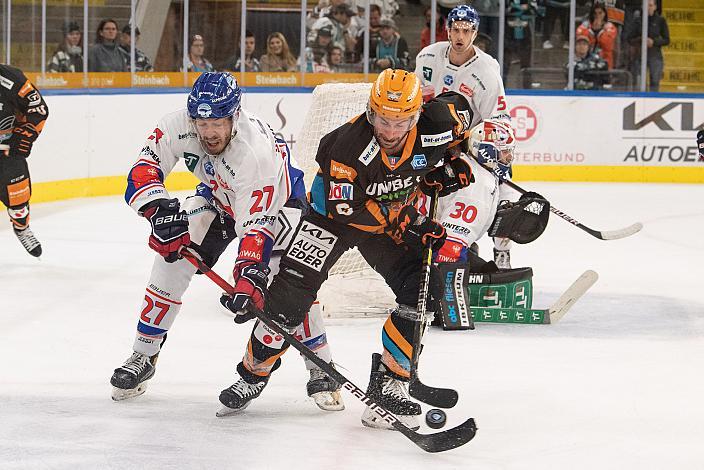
(395, 95)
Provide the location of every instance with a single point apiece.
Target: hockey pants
(317, 244)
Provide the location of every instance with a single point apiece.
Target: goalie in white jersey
(458, 65)
(249, 185)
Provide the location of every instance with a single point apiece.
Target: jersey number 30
(467, 213)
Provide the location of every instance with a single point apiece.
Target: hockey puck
(435, 418)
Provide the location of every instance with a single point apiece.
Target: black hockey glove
(453, 175)
(417, 230)
(169, 228)
(21, 140)
(700, 143)
(251, 279)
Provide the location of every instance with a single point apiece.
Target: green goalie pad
(500, 297)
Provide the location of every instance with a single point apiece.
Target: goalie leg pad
(511, 288)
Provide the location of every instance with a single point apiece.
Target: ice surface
(617, 384)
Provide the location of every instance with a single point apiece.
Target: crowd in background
(607, 38)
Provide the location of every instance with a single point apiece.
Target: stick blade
(622, 233)
(572, 295)
(445, 440)
(438, 397)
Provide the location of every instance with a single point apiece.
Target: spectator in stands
(587, 62)
(334, 60)
(251, 64)
(391, 49)
(69, 55)
(658, 36)
(440, 28)
(489, 13)
(601, 32)
(554, 10)
(323, 41)
(518, 36)
(278, 57)
(141, 61)
(321, 10)
(196, 61)
(483, 42)
(104, 55)
(374, 27)
(339, 21)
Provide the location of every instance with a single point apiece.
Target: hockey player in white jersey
(248, 184)
(458, 65)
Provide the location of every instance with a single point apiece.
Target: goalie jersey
(250, 181)
(358, 184)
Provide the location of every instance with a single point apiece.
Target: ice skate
(130, 379)
(391, 392)
(324, 390)
(239, 395)
(29, 242)
(502, 258)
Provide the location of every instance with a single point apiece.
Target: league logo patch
(209, 169)
(448, 80)
(419, 161)
(427, 74)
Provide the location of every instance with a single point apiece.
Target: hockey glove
(169, 228)
(417, 231)
(21, 140)
(455, 174)
(700, 143)
(251, 279)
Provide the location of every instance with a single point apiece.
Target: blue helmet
(463, 13)
(214, 95)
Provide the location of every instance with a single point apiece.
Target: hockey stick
(441, 397)
(601, 235)
(435, 442)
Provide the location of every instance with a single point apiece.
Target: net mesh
(332, 105)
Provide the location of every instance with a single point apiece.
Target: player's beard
(214, 146)
(390, 145)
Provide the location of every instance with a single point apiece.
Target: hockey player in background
(23, 113)
(362, 195)
(458, 65)
(248, 181)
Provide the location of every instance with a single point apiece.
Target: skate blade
(119, 394)
(329, 401)
(372, 420)
(226, 411)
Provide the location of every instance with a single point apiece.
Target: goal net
(353, 288)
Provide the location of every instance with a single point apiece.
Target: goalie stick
(435, 442)
(553, 314)
(433, 396)
(600, 234)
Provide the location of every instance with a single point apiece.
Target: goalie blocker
(461, 289)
